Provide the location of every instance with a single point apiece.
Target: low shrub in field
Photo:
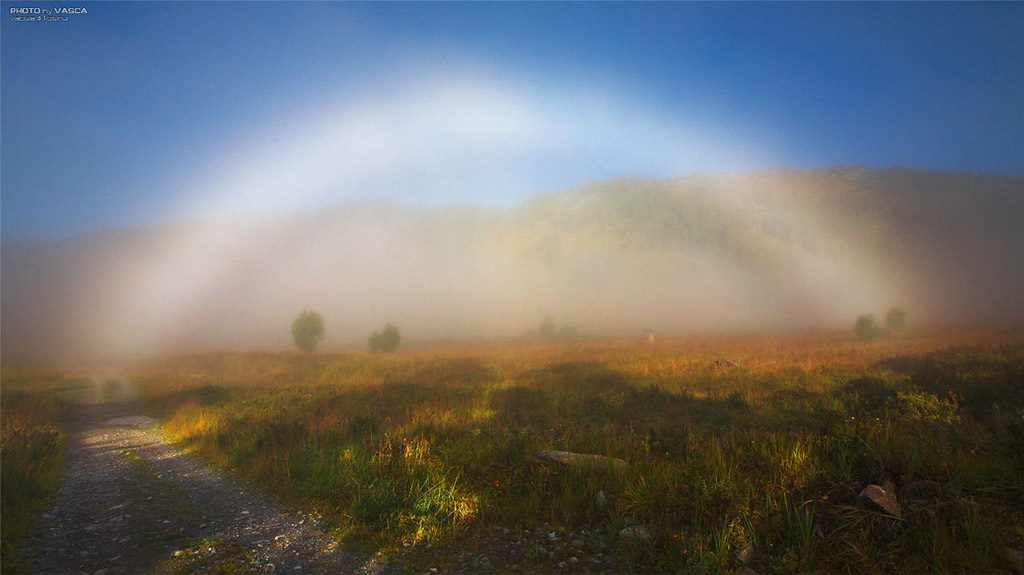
(32, 452)
(757, 453)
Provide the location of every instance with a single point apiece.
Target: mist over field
(774, 250)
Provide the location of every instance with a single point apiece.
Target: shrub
(866, 328)
(307, 330)
(896, 319)
(386, 340)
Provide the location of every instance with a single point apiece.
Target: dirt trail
(131, 503)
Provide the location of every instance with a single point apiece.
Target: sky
(144, 112)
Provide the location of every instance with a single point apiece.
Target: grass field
(767, 451)
(33, 405)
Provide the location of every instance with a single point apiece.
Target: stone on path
(136, 421)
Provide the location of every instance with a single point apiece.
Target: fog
(698, 254)
(476, 244)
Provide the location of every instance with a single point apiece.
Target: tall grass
(769, 451)
(32, 451)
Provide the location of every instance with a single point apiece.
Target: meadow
(744, 453)
(754, 462)
(34, 405)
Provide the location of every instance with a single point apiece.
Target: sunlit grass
(770, 449)
(32, 406)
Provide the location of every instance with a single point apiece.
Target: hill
(700, 253)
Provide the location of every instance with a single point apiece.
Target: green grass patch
(33, 405)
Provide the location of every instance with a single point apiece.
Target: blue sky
(137, 113)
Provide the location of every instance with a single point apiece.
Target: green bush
(896, 319)
(386, 340)
(866, 328)
(307, 330)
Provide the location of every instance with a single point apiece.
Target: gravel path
(131, 503)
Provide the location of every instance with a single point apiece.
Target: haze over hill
(699, 253)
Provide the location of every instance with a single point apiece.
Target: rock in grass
(570, 459)
(1017, 558)
(747, 554)
(881, 498)
(635, 532)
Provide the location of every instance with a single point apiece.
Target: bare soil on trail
(131, 504)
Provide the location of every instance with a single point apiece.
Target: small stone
(504, 530)
(635, 532)
(747, 554)
(563, 565)
(600, 499)
(570, 459)
(1017, 558)
(574, 560)
(878, 496)
(577, 543)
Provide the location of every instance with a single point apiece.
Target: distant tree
(547, 327)
(896, 319)
(307, 330)
(386, 340)
(866, 328)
